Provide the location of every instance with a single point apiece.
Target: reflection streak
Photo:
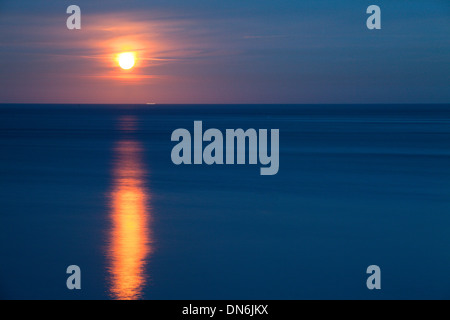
(129, 238)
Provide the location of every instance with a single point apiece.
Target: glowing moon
(126, 60)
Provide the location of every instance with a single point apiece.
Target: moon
(126, 60)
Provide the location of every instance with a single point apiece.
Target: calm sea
(94, 186)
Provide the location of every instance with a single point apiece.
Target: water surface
(94, 185)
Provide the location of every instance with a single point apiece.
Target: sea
(94, 186)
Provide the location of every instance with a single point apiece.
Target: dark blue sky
(234, 51)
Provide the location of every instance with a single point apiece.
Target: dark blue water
(94, 186)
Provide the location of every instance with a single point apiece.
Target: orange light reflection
(130, 242)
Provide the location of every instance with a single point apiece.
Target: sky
(233, 51)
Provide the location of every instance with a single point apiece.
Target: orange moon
(126, 60)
